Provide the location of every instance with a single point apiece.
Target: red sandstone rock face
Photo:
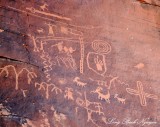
(81, 63)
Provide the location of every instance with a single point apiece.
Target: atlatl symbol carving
(142, 95)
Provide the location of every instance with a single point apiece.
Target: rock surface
(79, 63)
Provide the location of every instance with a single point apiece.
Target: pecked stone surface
(79, 63)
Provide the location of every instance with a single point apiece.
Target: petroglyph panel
(82, 63)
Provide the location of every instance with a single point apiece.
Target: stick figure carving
(69, 94)
(50, 28)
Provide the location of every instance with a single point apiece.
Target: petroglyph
(102, 96)
(67, 30)
(68, 61)
(86, 104)
(69, 93)
(78, 82)
(100, 66)
(6, 69)
(47, 65)
(47, 88)
(142, 95)
(40, 30)
(64, 49)
(33, 10)
(120, 100)
(101, 47)
(82, 55)
(98, 63)
(44, 7)
(50, 29)
(34, 43)
(104, 83)
(112, 81)
(68, 50)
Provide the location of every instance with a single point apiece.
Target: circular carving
(101, 46)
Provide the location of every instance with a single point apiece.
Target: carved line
(142, 95)
(30, 75)
(104, 63)
(33, 10)
(82, 55)
(101, 46)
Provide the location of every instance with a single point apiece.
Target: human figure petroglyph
(120, 100)
(86, 104)
(30, 75)
(78, 82)
(142, 95)
(102, 96)
(69, 93)
(50, 29)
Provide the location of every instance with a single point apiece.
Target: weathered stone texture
(79, 63)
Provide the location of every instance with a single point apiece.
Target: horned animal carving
(102, 96)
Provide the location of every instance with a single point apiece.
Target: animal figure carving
(40, 30)
(69, 50)
(44, 6)
(102, 96)
(120, 100)
(79, 83)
